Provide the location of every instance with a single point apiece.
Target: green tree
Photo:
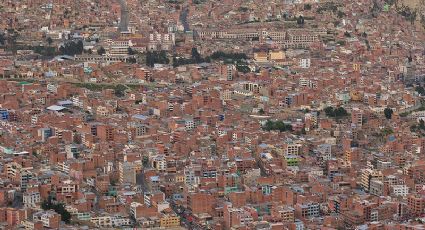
(243, 68)
(388, 112)
(175, 62)
(132, 60)
(329, 111)
(2, 39)
(59, 208)
(49, 41)
(269, 125)
(44, 51)
(277, 125)
(145, 161)
(101, 51)
(300, 20)
(157, 57)
(72, 48)
(120, 90)
(421, 124)
(420, 90)
(195, 55)
(336, 113)
(113, 182)
(79, 47)
(220, 55)
(131, 51)
(149, 59)
(307, 7)
(347, 34)
(12, 37)
(340, 112)
(65, 215)
(375, 9)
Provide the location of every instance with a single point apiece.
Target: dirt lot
(410, 3)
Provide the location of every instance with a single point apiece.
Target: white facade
(305, 63)
(31, 200)
(110, 221)
(400, 190)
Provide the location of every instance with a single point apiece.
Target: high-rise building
(127, 172)
(357, 117)
(105, 132)
(368, 175)
(416, 204)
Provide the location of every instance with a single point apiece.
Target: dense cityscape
(212, 114)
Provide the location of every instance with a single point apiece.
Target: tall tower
(124, 16)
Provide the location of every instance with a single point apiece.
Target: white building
(305, 63)
(31, 199)
(400, 190)
(110, 221)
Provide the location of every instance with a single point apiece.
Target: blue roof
(65, 102)
(154, 178)
(140, 116)
(263, 145)
(49, 74)
(56, 108)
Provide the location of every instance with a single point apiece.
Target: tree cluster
(44, 51)
(388, 112)
(242, 67)
(277, 125)
(376, 8)
(390, 2)
(119, 90)
(49, 41)
(419, 128)
(132, 60)
(198, 1)
(101, 51)
(131, 51)
(347, 34)
(337, 113)
(307, 7)
(300, 20)
(408, 14)
(2, 39)
(178, 61)
(423, 20)
(328, 6)
(420, 90)
(195, 58)
(72, 48)
(220, 55)
(243, 9)
(59, 208)
(156, 57)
